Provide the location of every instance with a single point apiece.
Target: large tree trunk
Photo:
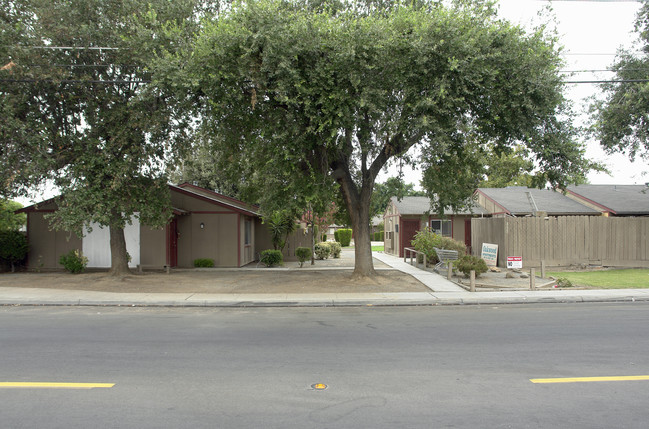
(358, 206)
(364, 265)
(118, 258)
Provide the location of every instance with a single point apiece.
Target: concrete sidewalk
(442, 292)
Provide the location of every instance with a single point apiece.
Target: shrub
(426, 240)
(303, 254)
(378, 236)
(74, 261)
(13, 247)
(344, 237)
(322, 250)
(467, 263)
(271, 257)
(336, 248)
(204, 263)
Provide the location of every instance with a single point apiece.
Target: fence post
(472, 287)
(543, 269)
(532, 279)
(449, 273)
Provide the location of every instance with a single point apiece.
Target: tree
(280, 225)
(13, 247)
(619, 121)
(334, 94)
(9, 219)
(84, 116)
(392, 187)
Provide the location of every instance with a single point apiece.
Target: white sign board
(514, 262)
(490, 254)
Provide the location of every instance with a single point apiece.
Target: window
(443, 227)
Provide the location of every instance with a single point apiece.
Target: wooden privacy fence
(565, 240)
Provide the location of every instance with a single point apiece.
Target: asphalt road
(405, 367)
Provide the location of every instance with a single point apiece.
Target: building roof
(217, 198)
(194, 191)
(514, 201)
(421, 205)
(615, 199)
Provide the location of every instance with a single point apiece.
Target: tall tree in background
(9, 220)
(620, 119)
(392, 187)
(84, 116)
(333, 95)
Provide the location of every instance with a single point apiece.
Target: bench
(444, 256)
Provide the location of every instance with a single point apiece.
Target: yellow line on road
(47, 385)
(589, 379)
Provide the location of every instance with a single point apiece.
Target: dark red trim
(211, 201)
(234, 200)
(212, 212)
(603, 207)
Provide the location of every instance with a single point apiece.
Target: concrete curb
(320, 300)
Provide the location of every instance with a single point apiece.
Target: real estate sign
(490, 254)
(514, 262)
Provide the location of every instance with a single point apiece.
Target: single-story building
(520, 201)
(205, 224)
(613, 200)
(403, 218)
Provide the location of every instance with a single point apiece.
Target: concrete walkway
(433, 281)
(442, 292)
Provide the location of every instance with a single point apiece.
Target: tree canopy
(9, 220)
(392, 187)
(620, 118)
(80, 112)
(324, 95)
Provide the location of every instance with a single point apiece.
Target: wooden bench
(444, 256)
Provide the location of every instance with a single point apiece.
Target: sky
(591, 32)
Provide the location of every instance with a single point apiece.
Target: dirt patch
(221, 281)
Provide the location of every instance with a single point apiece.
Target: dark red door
(408, 230)
(172, 243)
(467, 235)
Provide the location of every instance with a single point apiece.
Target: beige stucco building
(403, 218)
(205, 224)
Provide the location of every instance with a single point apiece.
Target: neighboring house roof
(376, 220)
(615, 199)
(514, 201)
(421, 205)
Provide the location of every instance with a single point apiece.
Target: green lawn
(611, 279)
(374, 248)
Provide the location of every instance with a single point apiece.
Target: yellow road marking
(47, 385)
(589, 379)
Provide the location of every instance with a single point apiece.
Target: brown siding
(153, 250)
(566, 240)
(45, 246)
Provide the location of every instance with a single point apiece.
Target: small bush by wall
(344, 237)
(74, 261)
(271, 257)
(322, 250)
(204, 263)
(303, 254)
(425, 241)
(467, 263)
